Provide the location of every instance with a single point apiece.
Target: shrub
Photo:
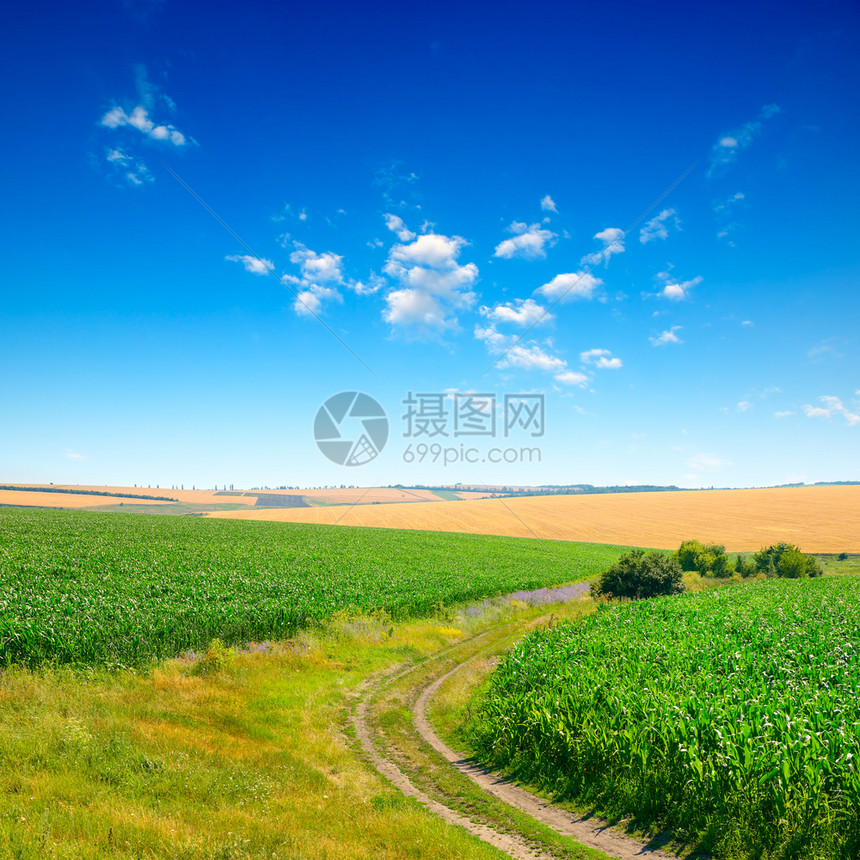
(638, 575)
(695, 556)
(843, 556)
(744, 566)
(722, 566)
(216, 658)
(786, 560)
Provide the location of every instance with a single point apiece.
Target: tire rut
(588, 831)
(585, 829)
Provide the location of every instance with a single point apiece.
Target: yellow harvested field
(199, 497)
(363, 495)
(818, 519)
(66, 500)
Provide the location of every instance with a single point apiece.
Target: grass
(251, 760)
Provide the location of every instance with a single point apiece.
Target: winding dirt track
(588, 831)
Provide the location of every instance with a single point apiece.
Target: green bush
(703, 558)
(638, 575)
(786, 560)
(843, 556)
(744, 566)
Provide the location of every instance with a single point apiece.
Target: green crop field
(79, 587)
(730, 716)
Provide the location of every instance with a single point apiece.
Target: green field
(115, 589)
(729, 716)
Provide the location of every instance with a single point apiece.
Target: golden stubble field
(818, 519)
(323, 496)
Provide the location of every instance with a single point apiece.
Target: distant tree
(843, 556)
(722, 566)
(744, 566)
(786, 560)
(702, 558)
(638, 575)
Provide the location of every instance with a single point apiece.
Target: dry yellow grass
(66, 500)
(818, 519)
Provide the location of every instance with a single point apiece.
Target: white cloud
(495, 341)
(396, 225)
(528, 242)
(116, 117)
(548, 204)
(254, 265)
(374, 284)
(320, 275)
(308, 302)
(832, 406)
(433, 283)
(667, 336)
(410, 307)
(569, 286)
(613, 243)
(707, 462)
(658, 227)
(747, 322)
(318, 268)
(523, 313)
(73, 455)
(572, 377)
(725, 151)
(743, 406)
(533, 357)
(131, 169)
(601, 359)
(679, 291)
(784, 414)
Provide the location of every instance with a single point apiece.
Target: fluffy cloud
(523, 313)
(396, 225)
(601, 359)
(667, 336)
(116, 117)
(832, 406)
(320, 268)
(528, 242)
(533, 357)
(433, 283)
(254, 265)
(569, 286)
(658, 227)
(548, 204)
(572, 377)
(678, 291)
(784, 414)
(318, 280)
(744, 406)
(309, 301)
(517, 353)
(725, 151)
(613, 243)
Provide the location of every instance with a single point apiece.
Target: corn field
(731, 717)
(124, 589)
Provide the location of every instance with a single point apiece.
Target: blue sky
(646, 213)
